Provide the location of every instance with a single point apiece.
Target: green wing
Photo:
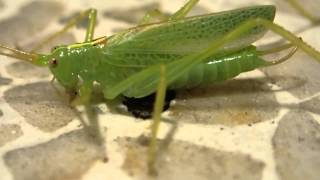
(188, 35)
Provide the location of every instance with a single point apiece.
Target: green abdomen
(219, 69)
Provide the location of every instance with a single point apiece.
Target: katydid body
(127, 53)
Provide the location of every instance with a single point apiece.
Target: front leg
(80, 96)
(182, 12)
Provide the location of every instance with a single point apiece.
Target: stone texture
(30, 20)
(40, 105)
(311, 105)
(231, 103)
(83, 24)
(9, 132)
(136, 14)
(183, 160)
(26, 70)
(63, 39)
(299, 76)
(67, 157)
(198, 10)
(303, 69)
(310, 5)
(5, 81)
(297, 146)
(1, 4)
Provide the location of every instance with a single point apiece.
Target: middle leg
(91, 14)
(156, 15)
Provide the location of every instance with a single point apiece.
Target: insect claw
(286, 57)
(279, 49)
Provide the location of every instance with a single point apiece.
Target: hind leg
(158, 108)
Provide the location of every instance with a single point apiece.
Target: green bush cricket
(162, 52)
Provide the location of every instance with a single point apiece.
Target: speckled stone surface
(263, 125)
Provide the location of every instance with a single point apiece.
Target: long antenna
(22, 55)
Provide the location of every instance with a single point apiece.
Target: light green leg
(158, 108)
(296, 41)
(156, 15)
(182, 12)
(91, 14)
(275, 49)
(152, 17)
(304, 12)
(93, 126)
(84, 95)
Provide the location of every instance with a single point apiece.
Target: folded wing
(185, 36)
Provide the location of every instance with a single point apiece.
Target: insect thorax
(72, 67)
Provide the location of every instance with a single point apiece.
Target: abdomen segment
(220, 69)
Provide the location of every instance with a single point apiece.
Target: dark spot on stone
(143, 140)
(41, 105)
(105, 159)
(66, 157)
(143, 107)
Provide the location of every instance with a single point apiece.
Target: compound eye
(53, 62)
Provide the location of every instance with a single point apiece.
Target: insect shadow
(235, 102)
